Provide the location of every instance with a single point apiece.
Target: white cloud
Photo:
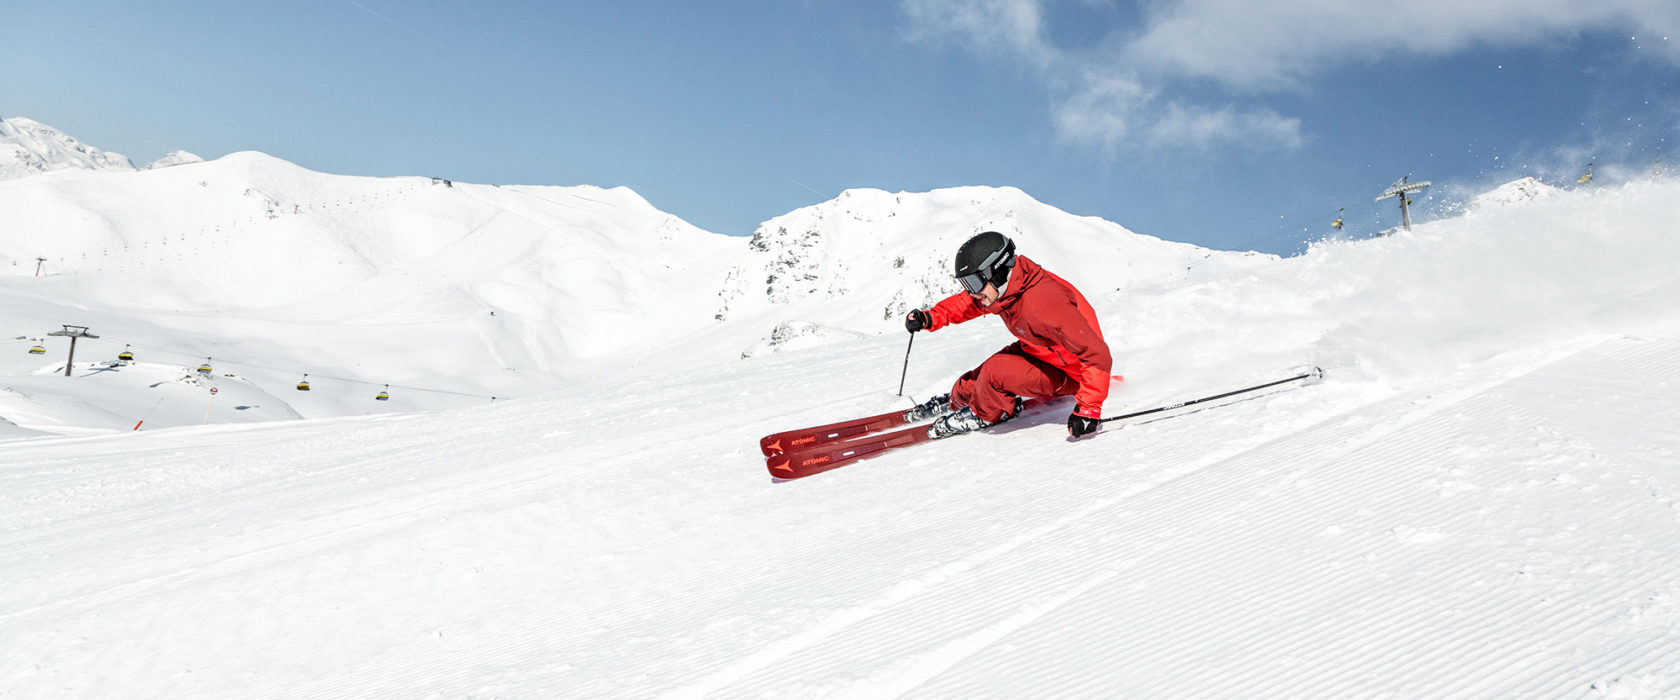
(1260, 45)
(1113, 97)
(1013, 27)
(1101, 110)
(1204, 128)
(1108, 110)
(1095, 103)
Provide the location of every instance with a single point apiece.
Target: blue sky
(1225, 123)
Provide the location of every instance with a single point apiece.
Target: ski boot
(929, 409)
(963, 421)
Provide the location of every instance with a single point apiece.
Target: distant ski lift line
(205, 368)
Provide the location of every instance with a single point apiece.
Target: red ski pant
(992, 387)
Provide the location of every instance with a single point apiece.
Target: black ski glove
(917, 320)
(1079, 426)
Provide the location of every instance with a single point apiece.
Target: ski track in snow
(943, 631)
(1368, 542)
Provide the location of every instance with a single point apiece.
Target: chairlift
(303, 384)
(384, 395)
(125, 355)
(37, 349)
(205, 368)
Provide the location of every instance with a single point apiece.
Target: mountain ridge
(28, 147)
(540, 283)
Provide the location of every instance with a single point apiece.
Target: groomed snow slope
(1481, 499)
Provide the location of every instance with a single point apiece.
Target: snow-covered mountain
(866, 258)
(174, 158)
(28, 147)
(479, 290)
(1513, 192)
(482, 290)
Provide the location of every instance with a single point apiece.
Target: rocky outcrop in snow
(798, 335)
(864, 259)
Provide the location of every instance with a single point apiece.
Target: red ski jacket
(1054, 323)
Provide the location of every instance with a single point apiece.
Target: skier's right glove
(1080, 426)
(917, 320)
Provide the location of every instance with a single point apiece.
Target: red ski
(807, 438)
(804, 439)
(830, 454)
(822, 458)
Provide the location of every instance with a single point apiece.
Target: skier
(1060, 349)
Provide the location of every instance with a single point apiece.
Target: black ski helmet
(987, 257)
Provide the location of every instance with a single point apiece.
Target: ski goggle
(974, 282)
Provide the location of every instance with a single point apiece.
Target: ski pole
(1314, 372)
(906, 372)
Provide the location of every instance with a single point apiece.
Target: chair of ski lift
(37, 349)
(384, 395)
(126, 355)
(303, 384)
(205, 368)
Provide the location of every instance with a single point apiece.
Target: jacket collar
(1023, 277)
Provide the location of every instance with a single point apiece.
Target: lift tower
(73, 332)
(1403, 190)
